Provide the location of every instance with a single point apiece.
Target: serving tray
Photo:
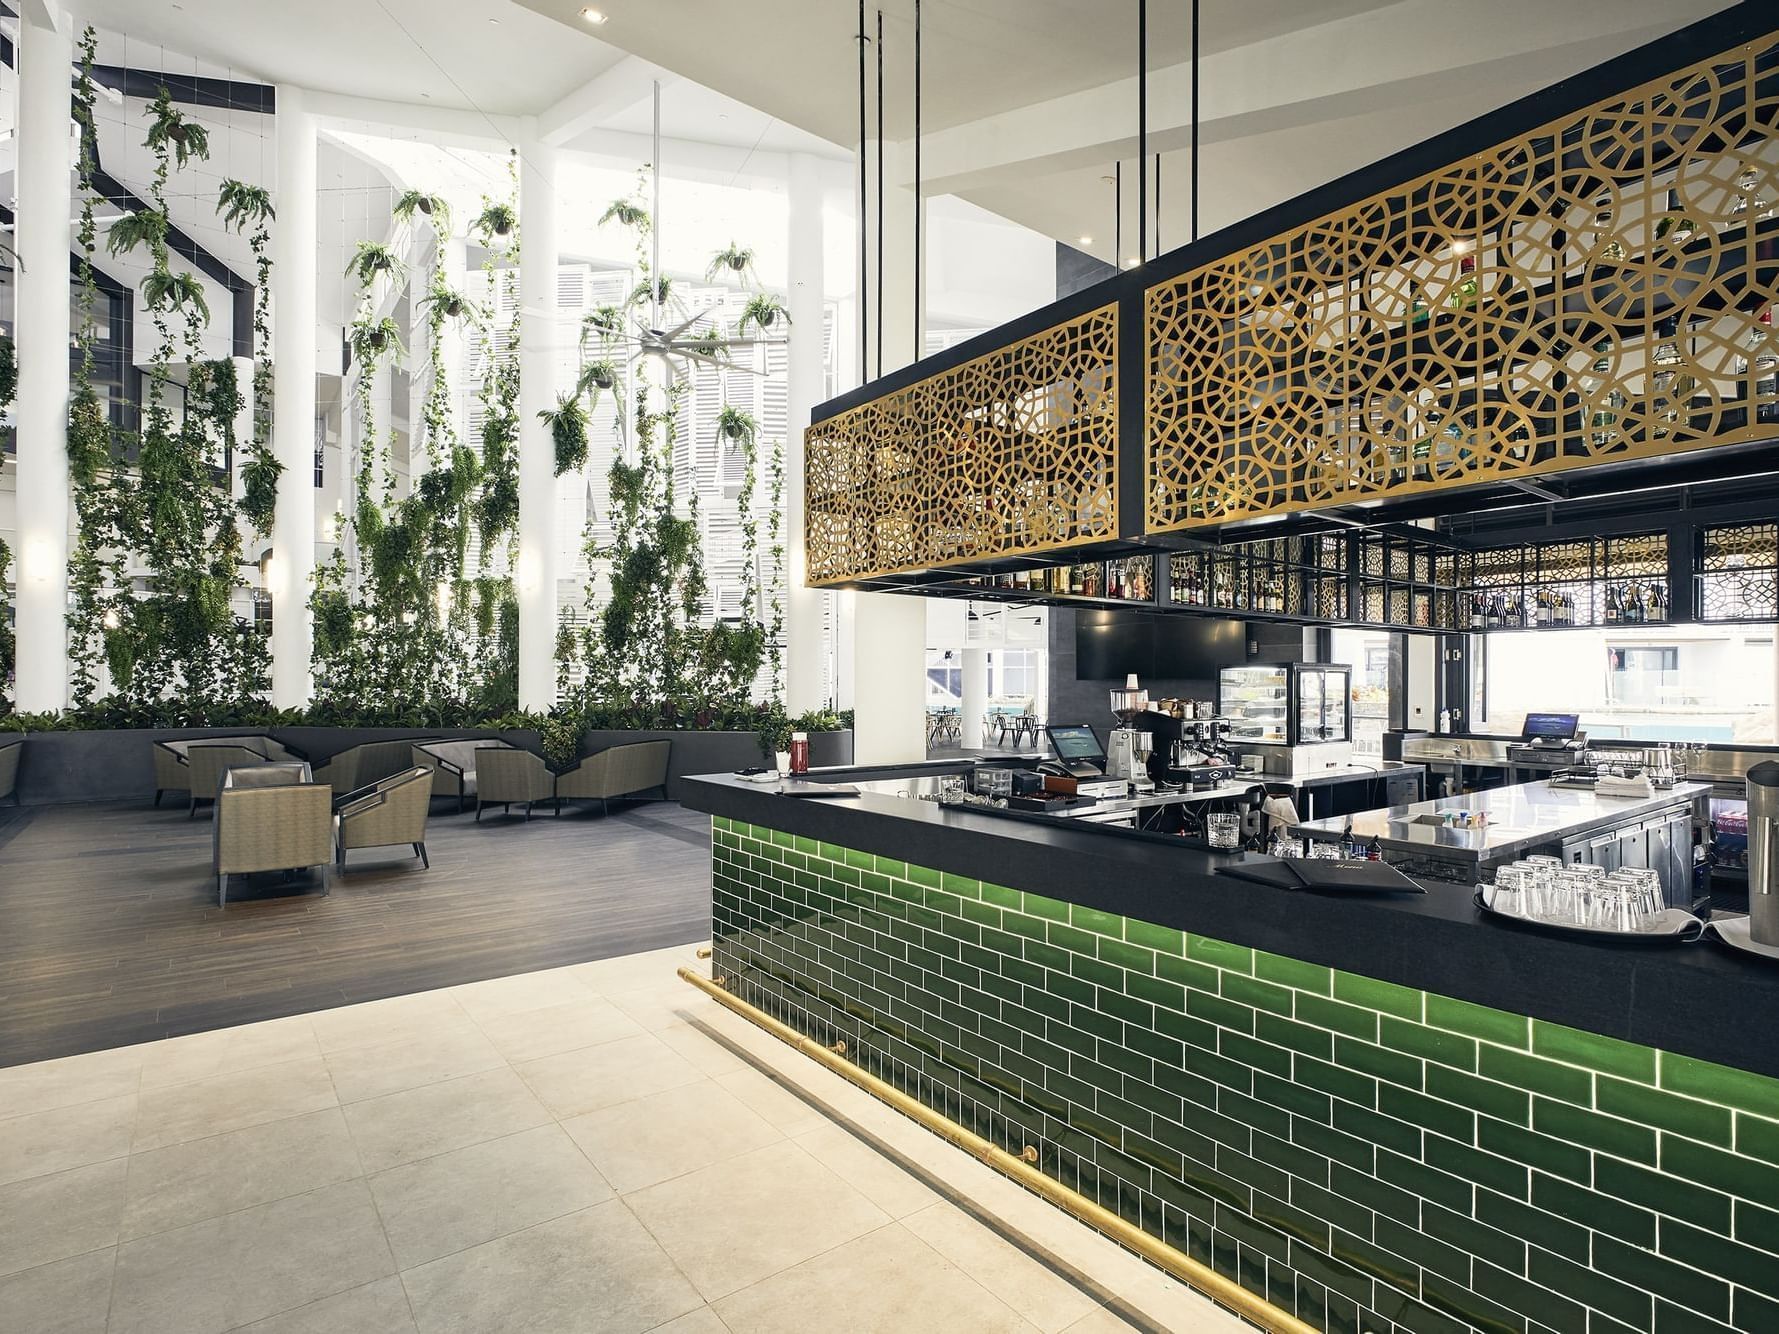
(1733, 931)
(1670, 926)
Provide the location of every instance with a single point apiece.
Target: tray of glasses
(1670, 926)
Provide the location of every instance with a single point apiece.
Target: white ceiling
(1028, 105)
(479, 55)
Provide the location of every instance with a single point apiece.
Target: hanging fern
(627, 213)
(427, 205)
(568, 431)
(763, 312)
(738, 426)
(9, 372)
(660, 292)
(170, 130)
(144, 229)
(450, 304)
(495, 220)
(162, 290)
(730, 263)
(373, 341)
(373, 259)
(241, 206)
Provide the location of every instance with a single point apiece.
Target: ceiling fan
(647, 335)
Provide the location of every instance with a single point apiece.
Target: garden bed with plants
(105, 754)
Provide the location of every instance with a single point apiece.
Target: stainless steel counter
(1530, 817)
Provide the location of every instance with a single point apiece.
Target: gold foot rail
(1020, 1168)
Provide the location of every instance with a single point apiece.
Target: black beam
(189, 89)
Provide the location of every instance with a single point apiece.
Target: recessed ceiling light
(493, 23)
(593, 16)
(1085, 240)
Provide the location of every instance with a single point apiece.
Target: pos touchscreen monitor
(1078, 748)
(1550, 726)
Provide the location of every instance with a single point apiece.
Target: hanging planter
(496, 220)
(372, 259)
(732, 262)
(764, 312)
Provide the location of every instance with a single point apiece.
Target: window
(1644, 683)
(1013, 674)
(945, 678)
(1367, 652)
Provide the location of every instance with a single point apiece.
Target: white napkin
(1280, 812)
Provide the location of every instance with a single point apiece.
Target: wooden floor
(110, 933)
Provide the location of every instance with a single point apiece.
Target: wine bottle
(1476, 611)
(1611, 605)
(1543, 608)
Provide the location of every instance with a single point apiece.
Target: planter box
(117, 766)
(699, 752)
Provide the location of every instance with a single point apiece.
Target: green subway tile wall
(1369, 1157)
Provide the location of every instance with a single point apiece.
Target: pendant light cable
(880, 194)
(1195, 120)
(864, 200)
(1142, 129)
(919, 213)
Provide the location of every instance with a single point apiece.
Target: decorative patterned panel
(1012, 452)
(1598, 290)
(1739, 578)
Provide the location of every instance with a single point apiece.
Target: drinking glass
(1223, 829)
(951, 789)
(1507, 894)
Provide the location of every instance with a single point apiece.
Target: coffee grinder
(1127, 749)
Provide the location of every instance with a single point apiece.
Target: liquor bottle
(1075, 580)
(1492, 616)
(1464, 292)
(1676, 227)
(1374, 850)
(1766, 369)
(1655, 603)
(1477, 614)
(1634, 604)
(1543, 608)
(1612, 610)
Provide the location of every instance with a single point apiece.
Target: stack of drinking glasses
(1546, 890)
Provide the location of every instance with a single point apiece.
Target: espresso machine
(1189, 752)
(1127, 748)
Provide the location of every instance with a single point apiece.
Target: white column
(293, 400)
(804, 389)
(975, 701)
(537, 393)
(45, 203)
(889, 652)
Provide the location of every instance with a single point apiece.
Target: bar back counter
(1374, 1114)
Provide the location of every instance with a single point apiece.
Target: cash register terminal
(1078, 750)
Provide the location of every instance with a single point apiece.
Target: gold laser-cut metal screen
(1011, 452)
(1598, 290)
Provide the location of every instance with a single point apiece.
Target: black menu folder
(1326, 877)
(1329, 877)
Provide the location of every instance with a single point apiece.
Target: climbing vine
(248, 209)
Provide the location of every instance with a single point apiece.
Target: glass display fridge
(1287, 704)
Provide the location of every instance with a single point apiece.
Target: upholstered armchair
(454, 765)
(361, 766)
(9, 765)
(616, 771)
(386, 813)
(172, 763)
(506, 774)
(208, 761)
(270, 817)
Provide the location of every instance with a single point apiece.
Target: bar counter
(1378, 1114)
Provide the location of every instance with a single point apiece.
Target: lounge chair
(385, 814)
(270, 817)
(454, 764)
(507, 775)
(616, 771)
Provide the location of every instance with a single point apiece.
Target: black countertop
(1698, 1000)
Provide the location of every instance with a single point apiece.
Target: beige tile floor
(596, 1148)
